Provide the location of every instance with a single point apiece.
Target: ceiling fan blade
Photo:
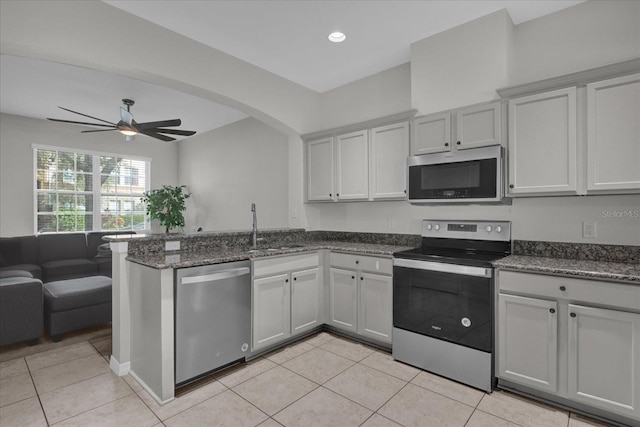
(86, 115)
(156, 135)
(160, 124)
(82, 123)
(173, 131)
(126, 116)
(98, 130)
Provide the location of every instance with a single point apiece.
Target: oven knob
(498, 229)
(437, 227)
(488, 229)
(429, 226)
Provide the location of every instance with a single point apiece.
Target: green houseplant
(167, 204)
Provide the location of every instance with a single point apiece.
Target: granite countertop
(614, 271)
(216, 255)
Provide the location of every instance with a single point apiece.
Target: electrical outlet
(589, 230)
(173, 245)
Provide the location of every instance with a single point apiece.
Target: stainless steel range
(444, 299)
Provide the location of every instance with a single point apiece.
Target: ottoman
(75, 304)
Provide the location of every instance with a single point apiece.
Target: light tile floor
(322, 381)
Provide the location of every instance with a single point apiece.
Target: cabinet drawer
(360, 262)
(574, 290)
(284, 264)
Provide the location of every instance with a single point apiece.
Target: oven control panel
(463, 229)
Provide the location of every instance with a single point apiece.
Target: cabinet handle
(353, 277)
(357, 262)
(510, 185)
(337, 194)
(329, 194)
(552, 310)
(563, 288)
(458, 142)
(286, 281)
(295, 278)
(446, 144)
(361, 278)
(572, 314)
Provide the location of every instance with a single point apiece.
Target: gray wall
(229, 168)
(18, 134)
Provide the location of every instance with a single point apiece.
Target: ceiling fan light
(128, 132)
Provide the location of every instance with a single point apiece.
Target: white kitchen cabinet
(271, 310)
(352, 166)
(376, 306)
(431, 134)
(528, 341)
(305, 302)
(343, 299)
(604, 358)
(320, 171)
(389, 148)
(361, 295)
(587, 351)
(542, 144)
(470, 127)
(286, 298)
(613, 135)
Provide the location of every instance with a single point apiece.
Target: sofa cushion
(70, 294)
(34, 269)
(18, 250)
(5, 273)
(54, 247)
(68, 269)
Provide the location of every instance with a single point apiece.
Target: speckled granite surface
(212, 248)
(605, 262)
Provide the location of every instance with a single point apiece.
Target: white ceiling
(288, 38)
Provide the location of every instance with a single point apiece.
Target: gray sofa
(66, 276)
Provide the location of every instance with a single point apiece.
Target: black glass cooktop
(458, 251)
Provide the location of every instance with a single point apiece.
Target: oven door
(445, 301)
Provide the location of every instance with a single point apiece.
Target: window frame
(96, 192)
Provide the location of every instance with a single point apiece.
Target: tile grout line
(44, 414)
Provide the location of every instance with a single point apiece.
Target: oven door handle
(441, 267)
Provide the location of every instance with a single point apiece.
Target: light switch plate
(173, 245)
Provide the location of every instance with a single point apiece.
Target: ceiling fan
(129, 127)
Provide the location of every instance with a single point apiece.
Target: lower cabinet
(286, 295)
(555, 335)
(360, 295)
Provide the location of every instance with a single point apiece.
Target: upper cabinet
(542, 143)
(367, 164)
(613, 134)
(352, 172)
(470, 127)
(576, 134)
(389, 148)
(320, 174)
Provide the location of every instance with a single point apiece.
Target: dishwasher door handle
(218, 275)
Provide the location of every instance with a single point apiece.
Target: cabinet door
(353, 166)
(376, 306)
(478, 126)
(270, 310)
(320, 170)
(613, 134)
(604, 359)
(389, 151)
(542, 143)
(305, 308)
(342, 299)
(431, 134)
(528, 341)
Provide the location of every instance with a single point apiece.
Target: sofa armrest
(14, 273)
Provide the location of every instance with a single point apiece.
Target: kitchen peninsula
(143, 286)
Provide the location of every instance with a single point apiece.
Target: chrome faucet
(254, 233)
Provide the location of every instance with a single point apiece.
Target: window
(85, 191)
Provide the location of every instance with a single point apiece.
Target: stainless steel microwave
(473, 175)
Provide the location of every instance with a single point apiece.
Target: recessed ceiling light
(337, 37)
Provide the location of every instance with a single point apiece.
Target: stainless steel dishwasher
(212, 318)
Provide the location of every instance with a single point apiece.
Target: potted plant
(166, 204)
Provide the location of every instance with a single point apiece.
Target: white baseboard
(120, 369)
(148, 390)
